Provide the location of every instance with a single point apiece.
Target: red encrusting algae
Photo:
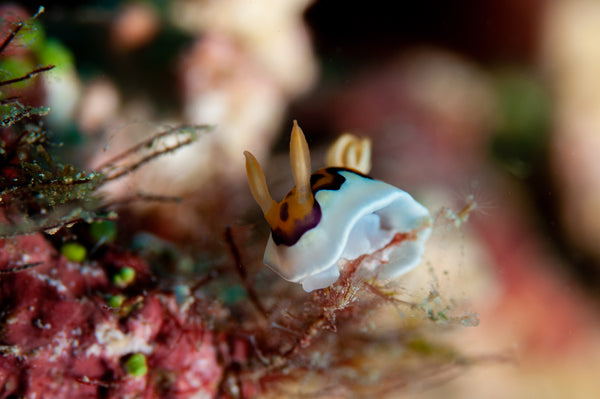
(60, 339)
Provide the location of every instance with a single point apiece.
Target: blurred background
(496, 102)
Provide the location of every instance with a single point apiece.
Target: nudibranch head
(336, 213)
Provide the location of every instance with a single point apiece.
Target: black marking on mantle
(322, 179)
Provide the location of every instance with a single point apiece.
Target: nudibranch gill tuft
(337, 213)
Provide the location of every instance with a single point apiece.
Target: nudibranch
(336, 213)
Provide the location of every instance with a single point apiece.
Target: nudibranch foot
(338, 213)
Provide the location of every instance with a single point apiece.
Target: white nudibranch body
(337, 213)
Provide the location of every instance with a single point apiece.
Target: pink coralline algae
(60, 339)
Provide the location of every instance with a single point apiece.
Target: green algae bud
(73, 251)
(116, 301)
(136, 365)
(104, 231)
(124, 277)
